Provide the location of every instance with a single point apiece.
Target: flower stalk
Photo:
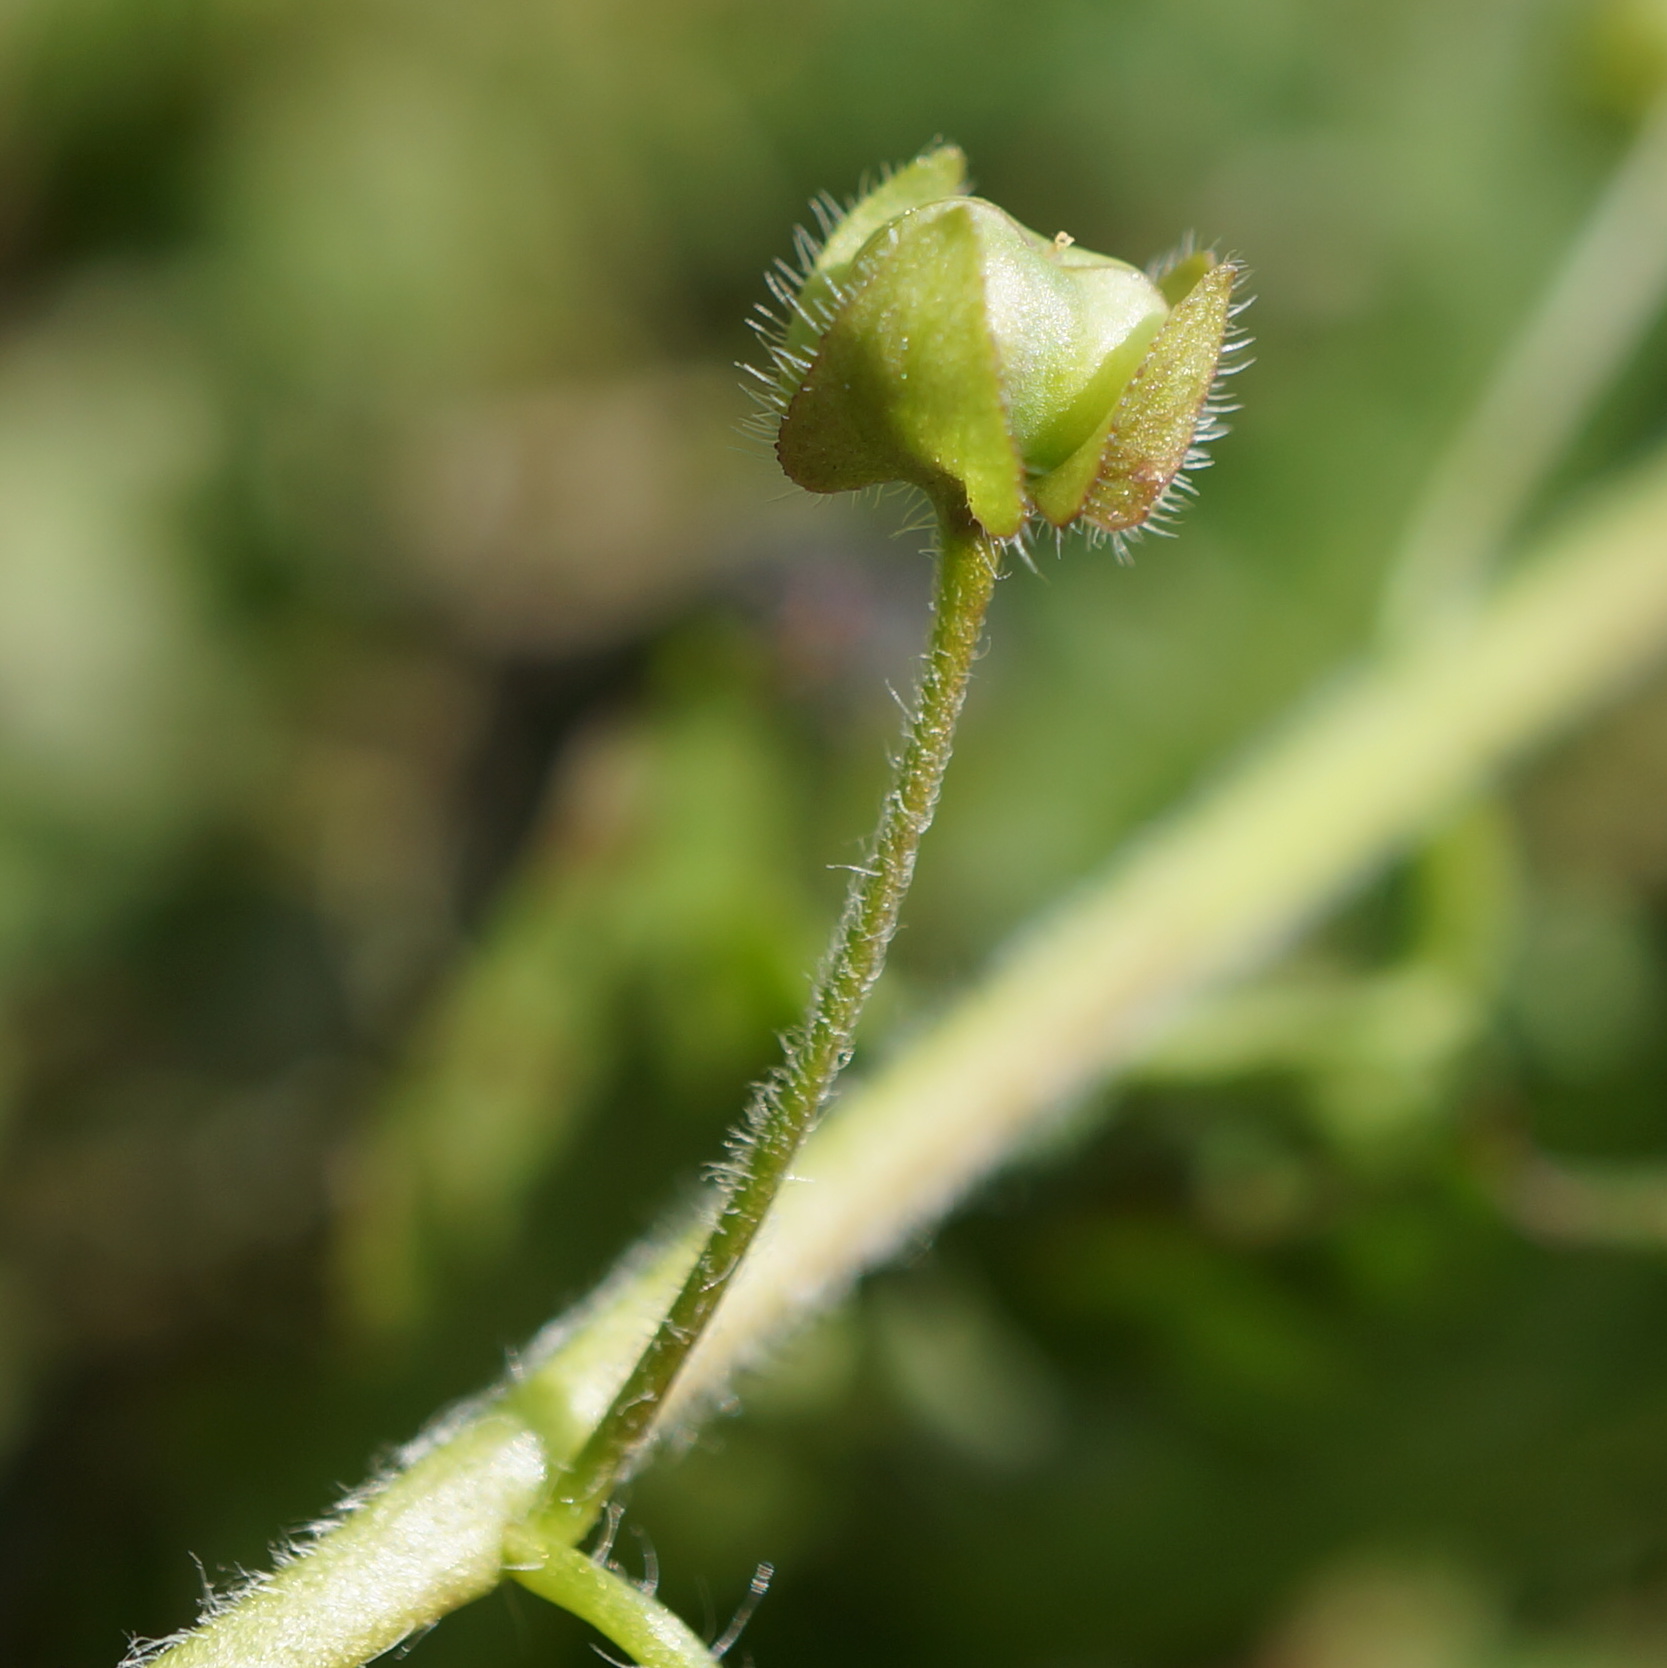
(1016, 381)
(762, 1151)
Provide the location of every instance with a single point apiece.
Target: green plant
(930, 341)
(1345, 786)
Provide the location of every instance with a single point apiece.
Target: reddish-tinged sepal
(1121, 477)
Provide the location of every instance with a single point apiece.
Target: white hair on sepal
(1212, 424)
(828, 214)
(919, 515)
(1022, 543)
(771, 321)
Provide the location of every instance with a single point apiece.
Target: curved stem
(633, 1618)
(785, 1109)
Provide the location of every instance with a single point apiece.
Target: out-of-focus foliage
(425, 736)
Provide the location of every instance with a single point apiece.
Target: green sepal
(933, 175)
(1178, 281)
(1071, 327)
(1116, 477)
(906, 385)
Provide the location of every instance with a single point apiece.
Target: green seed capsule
(934, 340)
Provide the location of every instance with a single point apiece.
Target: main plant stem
(788, 1103)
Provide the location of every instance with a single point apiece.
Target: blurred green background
(426, 731)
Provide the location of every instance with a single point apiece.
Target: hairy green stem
(788, 1103)
(627, 1614)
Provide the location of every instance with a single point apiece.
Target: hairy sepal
(1119, 477)
(906, 384)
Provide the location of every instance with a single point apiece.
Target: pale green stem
(1209, 894)
(432, 1538)
(788, 1104)
(633, 1619)
(1588, 323)
(426, 1544)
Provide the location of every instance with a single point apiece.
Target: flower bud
(934, 340)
